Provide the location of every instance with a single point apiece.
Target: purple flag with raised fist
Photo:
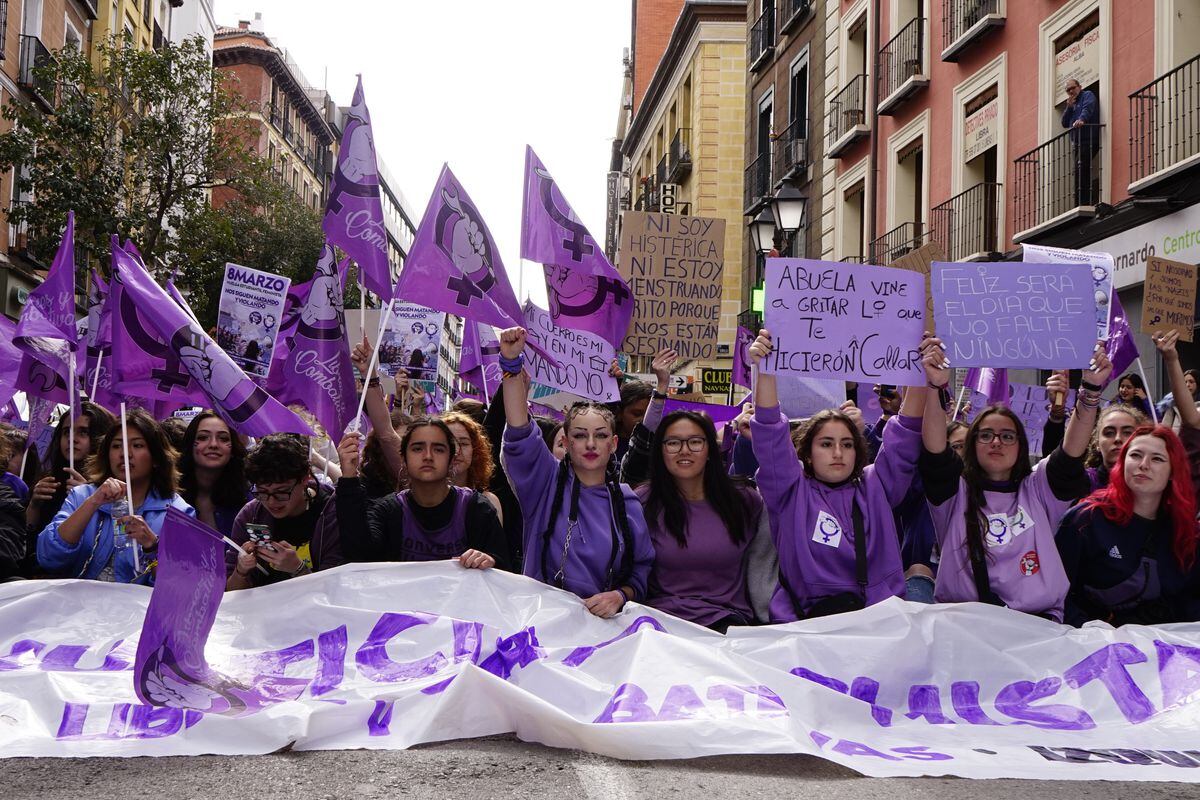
(586, 292)
(480, 361)
(170, 668)
(354, 213)
(46, 330)
(991, 382)
(1120, 346)
(741, 357)
(161, 353)
(318, 373)
(454, 264)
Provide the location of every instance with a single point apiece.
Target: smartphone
(887, 390)
(260, 535)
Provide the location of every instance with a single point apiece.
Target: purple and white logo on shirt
(827, 530)
(1002, 529)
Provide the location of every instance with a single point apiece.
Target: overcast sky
(470, 83)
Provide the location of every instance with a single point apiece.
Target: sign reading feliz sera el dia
(674, 266)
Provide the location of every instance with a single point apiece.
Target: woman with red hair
(1129, 549)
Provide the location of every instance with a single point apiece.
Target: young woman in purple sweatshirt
(994, 515)
(821, 498)
(584, 531)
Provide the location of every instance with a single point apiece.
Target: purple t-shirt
(1024, 567)
(705, 581)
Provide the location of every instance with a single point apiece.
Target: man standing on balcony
(1082, 116)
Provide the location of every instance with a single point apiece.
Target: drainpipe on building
(873, 188)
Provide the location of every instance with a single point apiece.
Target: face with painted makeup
(591, 442)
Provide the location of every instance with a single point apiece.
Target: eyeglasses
(279, 496)
(1006, 437)
(694, 444)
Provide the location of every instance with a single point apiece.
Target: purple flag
(293, 304)
(990, 382)
(170, 668)
(10, 359)
(719, 414)
(480, 361)
(741, 356)
(46, 330)
(318, 373)
(160, 353)
(354, 214)
(40, 431)
(1120, 347)
(586, 292)
(97, 372)
(454, 265)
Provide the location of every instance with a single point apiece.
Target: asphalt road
(502, 767)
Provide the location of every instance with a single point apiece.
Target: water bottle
(119, 509)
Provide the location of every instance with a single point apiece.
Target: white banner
(387, 656)
(248, 318)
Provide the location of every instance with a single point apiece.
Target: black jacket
(12, 533)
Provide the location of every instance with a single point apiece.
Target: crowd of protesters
(759, 521)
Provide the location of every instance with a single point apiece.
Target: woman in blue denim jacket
(79, 541)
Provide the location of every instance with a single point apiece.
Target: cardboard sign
(715, 381)
(844, 321)
(921, 260)
(1005, 314)
(674, 266)
(1169, 301)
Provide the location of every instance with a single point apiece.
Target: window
(3, 25)
(71, 37)
(798, 93)
(31, 18)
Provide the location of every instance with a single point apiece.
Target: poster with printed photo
(248, 317)
(410, 343)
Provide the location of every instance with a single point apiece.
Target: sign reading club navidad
(852, 322)
(1009, 314)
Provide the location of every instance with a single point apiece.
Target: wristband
(1091, 387)
(513, 365)
(943, 387)
(373, 382)
(657, 395)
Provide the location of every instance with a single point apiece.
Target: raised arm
(1185, 406)
(766, 392)
(1087, 404)
(937, 375)
(516, 388)
(377, 411)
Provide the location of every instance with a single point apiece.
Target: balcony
(792, 12)
(791, 152)
(847, 116)
(761, 41)
(758, 184)
(964, 21)
(1058, 181)
(852, 260)
(1164, 126)
(35, 58)
(967, 226)
(660, 171)
(647, 199)
(679, 162)
(899, 241)
(276, 117)
(902, 66)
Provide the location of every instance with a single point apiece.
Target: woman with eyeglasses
(584, 530)
(995, 515)
(831, 512)
(432, 519)
(714, 563)
(290, 527)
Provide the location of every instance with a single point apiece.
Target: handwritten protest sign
(1169, 302)
(921, 261)
(850, 322)
(1004, 314)
(1030, 403)
(248, 317)
(585, 358)
(1101, 265)
(674, 266)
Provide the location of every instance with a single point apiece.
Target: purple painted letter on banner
(354, 214)
(1005, 314)
(850, 322)
(586, 292)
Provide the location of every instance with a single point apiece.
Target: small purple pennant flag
(586, 292)
(454, 265)
(47, 331)
(992, 382)
(480, 361)
(160, 353)
(1121, 349)
(354, 213)
(741, 357)
(318, 373)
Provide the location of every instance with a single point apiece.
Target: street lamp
(787, 209)
(762, 232)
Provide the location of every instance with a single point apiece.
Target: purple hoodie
(533, 472)
(816, 553)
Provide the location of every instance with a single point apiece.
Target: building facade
(687, 130)
(944, 122)
(785, 114)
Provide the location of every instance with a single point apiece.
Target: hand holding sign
(933, 359)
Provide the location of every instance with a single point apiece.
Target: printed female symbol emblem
(997, 531)
(827, 530)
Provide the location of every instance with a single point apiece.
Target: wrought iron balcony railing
(900, 240)
(761, 39)
(968, 224)
(1164, 124)
(902, 65)
(1058, 177)
(791, 12)
(964, 21)
(758, 183)
(679, 162)
(34, 59)
(847, 116)
(791, 150)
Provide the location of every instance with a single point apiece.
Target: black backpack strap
(860, 547)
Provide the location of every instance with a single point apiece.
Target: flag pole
(356, 425)
(71, 410)
(96, 377)
(958, 403)
(1145, 383)
(137, 565)
(24, 457)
